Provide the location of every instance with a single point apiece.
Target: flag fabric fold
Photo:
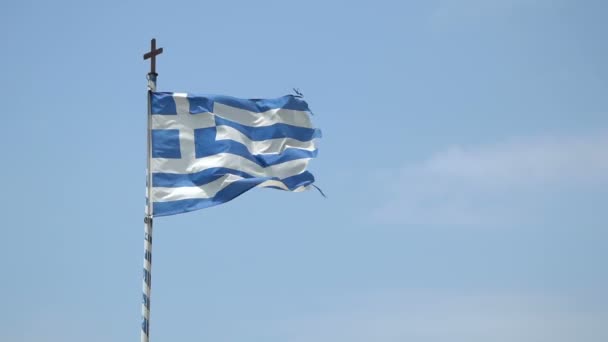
(209, 149)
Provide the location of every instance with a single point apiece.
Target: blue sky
(465, 158)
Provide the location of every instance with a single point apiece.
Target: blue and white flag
(207, 150)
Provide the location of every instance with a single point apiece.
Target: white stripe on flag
(183, 121)
(208, 190)
(231, 161)
(270, 117)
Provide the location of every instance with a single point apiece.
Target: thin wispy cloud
(453, 12)
(502, 182)
(442, 316)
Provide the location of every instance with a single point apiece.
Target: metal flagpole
(147, 278)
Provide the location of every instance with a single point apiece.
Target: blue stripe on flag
(176, 180)
(303, 179)
(163, 103)
(204, 103)
(276, 131)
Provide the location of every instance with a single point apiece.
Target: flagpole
(149, 214)
(148, 226)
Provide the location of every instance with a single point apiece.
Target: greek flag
(207, 150)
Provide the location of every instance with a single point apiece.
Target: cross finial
(152, 56)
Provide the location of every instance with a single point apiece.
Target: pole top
(152, 56)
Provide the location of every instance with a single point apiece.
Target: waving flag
(207, 150)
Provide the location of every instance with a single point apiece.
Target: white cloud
(494, 183)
